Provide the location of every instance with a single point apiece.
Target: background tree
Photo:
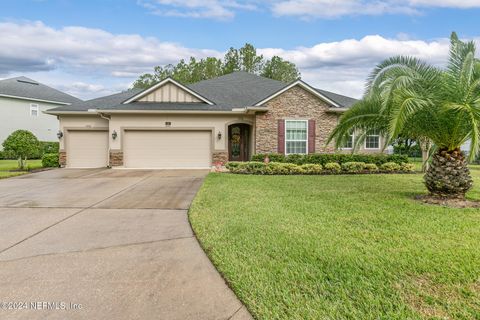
(243, 59)
(279, 69)
(23, 145)
(437, 106)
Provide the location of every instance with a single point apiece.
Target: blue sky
(92, 48)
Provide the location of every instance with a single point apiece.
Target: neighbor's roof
(23, 87)
(234, 90)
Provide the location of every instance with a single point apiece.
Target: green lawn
(341, 247)
(13, 164)
(7, 165)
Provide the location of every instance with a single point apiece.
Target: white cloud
(34, 46)
(344, 65)
(308, 9)
(91, 62)
(215, 9)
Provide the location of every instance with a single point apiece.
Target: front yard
(341, 247)
(8, 167)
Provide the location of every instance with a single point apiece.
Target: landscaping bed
(279, 168)
(341, 247)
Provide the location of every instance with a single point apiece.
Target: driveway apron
(106, 244)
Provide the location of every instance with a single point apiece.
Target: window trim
(353, 143)
(372, 135)
(285, 133)
(36, 107)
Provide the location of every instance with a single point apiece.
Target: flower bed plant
(279, 168)
(323, 159)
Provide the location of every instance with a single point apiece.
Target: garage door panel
(167, 149)
(87, 149)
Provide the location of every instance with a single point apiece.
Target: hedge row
(275, 168)
(50, 160)
(323, 158)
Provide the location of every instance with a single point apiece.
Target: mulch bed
(448, 202)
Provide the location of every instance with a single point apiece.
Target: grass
(341, 247)
(7, 165)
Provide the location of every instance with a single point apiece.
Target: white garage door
(87, 149)
(167, 149)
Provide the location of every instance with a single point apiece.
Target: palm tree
(442, 106)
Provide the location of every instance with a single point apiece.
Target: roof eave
(161, 83)
(305, 86)
(34, 99)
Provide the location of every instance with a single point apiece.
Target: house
(22, 103)
(171, 125)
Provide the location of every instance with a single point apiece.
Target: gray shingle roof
(28, 88)
(107, 102)
(235, 90)
(343, 101)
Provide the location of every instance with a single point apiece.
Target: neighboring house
(22, 102)
(171, 125)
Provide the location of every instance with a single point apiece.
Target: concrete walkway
(106, 244)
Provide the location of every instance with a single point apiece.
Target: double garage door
(142, 149)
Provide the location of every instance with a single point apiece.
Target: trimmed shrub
(333, 167)
(371, 167)
(296, 159)
(390, 166)
(323, 159)
(255, 167)
(408, 167)
(50, 160)
(278, 168)
(310, 168)
(353, 167)
(233, 165)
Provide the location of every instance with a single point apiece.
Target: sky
(95, 48)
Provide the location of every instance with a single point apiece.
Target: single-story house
(172, 125)
(22, 103)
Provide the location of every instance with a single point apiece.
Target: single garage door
(167, 149)
(87, 149)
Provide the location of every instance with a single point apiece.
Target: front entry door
(238, 142)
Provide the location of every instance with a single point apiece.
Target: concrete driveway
(106, 244)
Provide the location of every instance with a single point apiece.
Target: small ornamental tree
(23, 145)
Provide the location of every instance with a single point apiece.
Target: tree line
(243, 59)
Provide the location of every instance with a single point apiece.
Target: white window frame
(372, 135)
(353, 143)
(285, 135)
(34, 107)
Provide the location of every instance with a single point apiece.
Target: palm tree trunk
(448, 176)
(425, 145)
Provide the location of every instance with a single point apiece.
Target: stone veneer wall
(62, 158)
(294, 103)
(116, 158)
(219, 157)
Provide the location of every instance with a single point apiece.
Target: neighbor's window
(34, 110)
(372, 141)
(296, 136)
(349, 143)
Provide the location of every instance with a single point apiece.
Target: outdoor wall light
(59, 134)
(219, 135)
(114, 135)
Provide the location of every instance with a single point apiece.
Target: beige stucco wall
(218, 123)
(79, 122)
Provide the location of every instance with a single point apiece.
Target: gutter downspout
(108, 119)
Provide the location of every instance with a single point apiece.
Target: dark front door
(238, 142)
